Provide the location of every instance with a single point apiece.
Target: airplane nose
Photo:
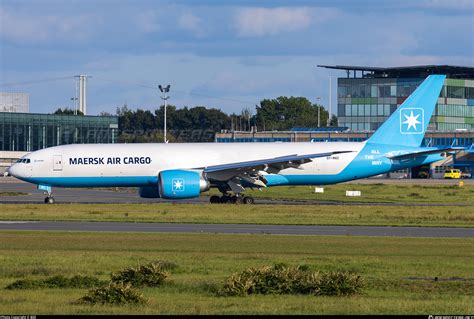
(13, 170)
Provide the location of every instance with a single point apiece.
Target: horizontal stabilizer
(411, 155)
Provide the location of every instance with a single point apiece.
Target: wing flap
(281, 162)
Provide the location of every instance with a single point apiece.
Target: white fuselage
(143, 162)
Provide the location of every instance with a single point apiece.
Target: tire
(215, 199)
(226, 199)
(237, 200)
(248, 200)
(49, 200)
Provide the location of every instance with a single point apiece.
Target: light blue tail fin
(407, 125)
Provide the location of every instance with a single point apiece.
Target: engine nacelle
(176, 184)
(149, 192)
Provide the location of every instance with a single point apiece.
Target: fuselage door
(57, 162)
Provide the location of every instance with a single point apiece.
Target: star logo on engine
(178, 184)
(411, 121)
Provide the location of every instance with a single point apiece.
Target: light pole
(164, 97)
(330, 99)
(74, 99)
(319, 108)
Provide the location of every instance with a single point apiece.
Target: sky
(226, 54)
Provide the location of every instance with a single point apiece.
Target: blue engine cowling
(149, 192)
(176, 184)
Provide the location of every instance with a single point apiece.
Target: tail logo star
(411, 121)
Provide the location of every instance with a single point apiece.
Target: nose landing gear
(47, 190)
(49, 200)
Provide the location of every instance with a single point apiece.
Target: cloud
(147, 22)
(257, 22)
(450, 5)
(406, 60)
(34, 28)
(192, 23)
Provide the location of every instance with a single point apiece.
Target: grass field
(378, 192)
(453, 216)
(452, 212)
(12, 194)
(399, 272)
(371, 193)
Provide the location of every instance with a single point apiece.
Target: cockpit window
(24, 160)
(27, 161)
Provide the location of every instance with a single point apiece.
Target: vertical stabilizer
(408, 124)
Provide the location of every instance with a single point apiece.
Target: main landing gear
(235, 199)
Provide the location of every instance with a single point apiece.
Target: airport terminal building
(367, 96)
(21, 132)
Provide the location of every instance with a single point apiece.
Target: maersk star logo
(411, 121)
(178, 184)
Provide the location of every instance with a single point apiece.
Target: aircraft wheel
(237, 200)
(248, 200)
(49, 200)
(225, 199)
(215, 199)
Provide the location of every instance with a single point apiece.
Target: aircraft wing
(251, 171)
(411, 155)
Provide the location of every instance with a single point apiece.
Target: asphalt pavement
(440, 232)
(121, 195)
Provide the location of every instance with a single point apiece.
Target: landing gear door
(57, 162)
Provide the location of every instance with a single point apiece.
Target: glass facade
(30, 132)
(434, 139)
(365, 103)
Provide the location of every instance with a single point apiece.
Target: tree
(284, 113)
(67, 111)
(142, 120)
(247, 114)
(334, 121)
(196, 124)
(199, 124)
(124, 115)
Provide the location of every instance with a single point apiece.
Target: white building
(14, 102)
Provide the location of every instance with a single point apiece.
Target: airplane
(185, 170)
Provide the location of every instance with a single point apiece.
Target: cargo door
(57, 162)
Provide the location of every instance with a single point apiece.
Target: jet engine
(149, 192)
(176, 184)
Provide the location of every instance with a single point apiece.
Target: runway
(240, 229)
(122, 196)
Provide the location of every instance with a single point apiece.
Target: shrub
(114, 293)
(26, 284)
(151, 275)
(337, 283)
(57, 282)
(281, 279)
(166, 265)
